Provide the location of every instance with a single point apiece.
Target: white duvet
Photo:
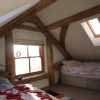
(88, 69)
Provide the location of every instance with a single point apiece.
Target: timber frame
(31, 17)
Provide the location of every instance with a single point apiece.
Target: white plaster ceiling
(10, 9)
(7, 6)
(65, 8)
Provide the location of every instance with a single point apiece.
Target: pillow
(71, 63)
(5, 84)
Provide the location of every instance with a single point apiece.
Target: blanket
(25, 92)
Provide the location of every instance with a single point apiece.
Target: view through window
(28, 59)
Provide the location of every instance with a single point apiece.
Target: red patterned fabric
(25, 93)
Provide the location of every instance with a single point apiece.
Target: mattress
(81, 74)
(22, 92)
(87, 69)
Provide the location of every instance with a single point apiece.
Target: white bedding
(84, 69)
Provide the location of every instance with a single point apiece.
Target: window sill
(31, 79)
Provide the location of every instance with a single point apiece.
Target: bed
(81, 74)
(21, 92)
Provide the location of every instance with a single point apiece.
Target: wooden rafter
(26, 15)
(30, 28)
(48, 34)
(84, 14)
(62, 34)
(9, 54)
(50, 61)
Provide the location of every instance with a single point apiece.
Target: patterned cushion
(71, 63)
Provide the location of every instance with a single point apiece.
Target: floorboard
(75, 92)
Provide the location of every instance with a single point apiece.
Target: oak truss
(30, 16)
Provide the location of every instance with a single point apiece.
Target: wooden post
(50, 61)
(10, 55)
(63, 34)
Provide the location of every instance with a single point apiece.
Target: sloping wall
(79, 44)
(76, 41)
(7, 6)
(9, 9)
(65, 8)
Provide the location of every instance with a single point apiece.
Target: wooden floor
(75, 92)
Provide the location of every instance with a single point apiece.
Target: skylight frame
(92, 29)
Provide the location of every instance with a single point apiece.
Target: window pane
(20, 51)
(95, 25)
(22, 66)
(35, 64)
(33, 50)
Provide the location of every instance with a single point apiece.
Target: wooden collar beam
(84, 14)
(63, 34)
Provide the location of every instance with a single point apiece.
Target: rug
(59, 96)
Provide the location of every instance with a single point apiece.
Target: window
(92, 29)
(94, 25)
(28, 59)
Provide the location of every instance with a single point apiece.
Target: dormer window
(94, 26)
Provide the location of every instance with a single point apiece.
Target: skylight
(92, 28)
(94, 25)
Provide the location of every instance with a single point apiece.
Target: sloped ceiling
(7, 6)
(77, 42)
(9, 9)
(65, 8)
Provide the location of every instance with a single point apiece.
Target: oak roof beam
(63, 34)
(79, 16)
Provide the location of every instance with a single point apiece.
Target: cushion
(71, 63)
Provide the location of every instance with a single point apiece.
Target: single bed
(81, 74)
(21, 92)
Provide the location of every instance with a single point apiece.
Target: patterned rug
(59, 96)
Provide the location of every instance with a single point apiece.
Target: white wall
(77, 42)
(30, 35)
(6, 6)
(41, 83)
(57, 56)
(65, 8)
